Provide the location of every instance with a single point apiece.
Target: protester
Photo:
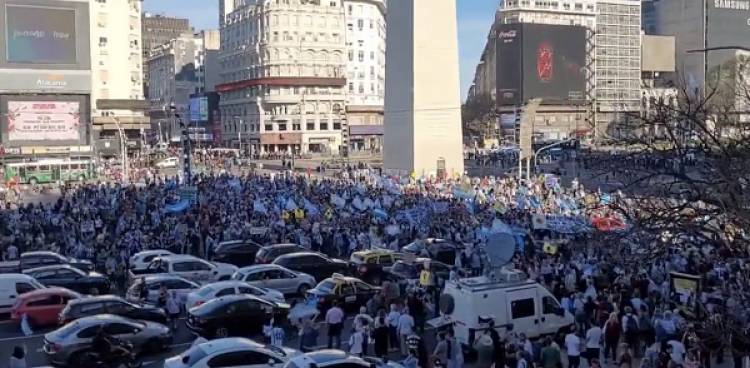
(335, 322)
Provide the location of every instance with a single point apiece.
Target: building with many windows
(365, 72)
(157, 30)
(117, 74)
(283, 73)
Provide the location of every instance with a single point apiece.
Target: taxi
(371, 265)
(350, 292)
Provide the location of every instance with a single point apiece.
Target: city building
(422, 100)
(207, 44)
(226, 7)
(283, 72)
(618, 65)
(117, 104)
(157, 30)
(365, 72)
(698, 25)
(45, 78)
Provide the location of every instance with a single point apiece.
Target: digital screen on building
(199, 109)
(40, 35)
(540, 61)
(728, 24)
(33, 121)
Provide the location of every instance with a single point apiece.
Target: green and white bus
(50, 171)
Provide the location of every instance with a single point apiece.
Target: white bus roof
(50, 162)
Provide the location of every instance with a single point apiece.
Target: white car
(276, 277)
(235, 352)
(222, 288)
(167, 162)
(153, 284)
(141, 260)
(190, 267)
(335, 359)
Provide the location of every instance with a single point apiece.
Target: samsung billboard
(540, 61)
(728, 24)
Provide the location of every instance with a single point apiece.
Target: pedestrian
(335, 322)
(550, 354)
(380, 335)
(173, 307)
(593, 343)
(392, 321)
(455, 353)
(363, 322)
(356, 342)
(275, 333)
(308, 336)
(18, 358)
(625, 360)
(405, 329)
(630, 328)
(483, 347)
(612, 334)
(440, 353)
(573, 348)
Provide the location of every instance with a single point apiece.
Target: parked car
(276, 277)
(371, 265)
(11, 286)
(408, 271)
(351, 293)
(70, 277)
(110, 304)
(237, 252)
(68, 344)
(190, 267)
(438, 249)
(231, 352)
(232, 287)
(42, 306)
(168, 162)
(268, 253)
(335, 359)
(234, 315)
(153, 283)
(141, 260)
(314, 264)
(29, 260)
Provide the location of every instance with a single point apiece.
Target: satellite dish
(500, 249)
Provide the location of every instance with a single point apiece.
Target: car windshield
(262, 252)
(237, 276)
(326, 286)
(357, 258)
(67, 330)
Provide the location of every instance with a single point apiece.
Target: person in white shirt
(405, 328)
(677, 353)
(573, 348)
(335, 322)
(593, 343)
(356, 341)
(392, 321)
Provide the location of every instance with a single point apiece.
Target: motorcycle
(121, 355)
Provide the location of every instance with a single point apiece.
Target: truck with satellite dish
(503, 298)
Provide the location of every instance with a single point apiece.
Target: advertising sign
(43, 121)
(540, 61)
(199, 109)
(40, 35)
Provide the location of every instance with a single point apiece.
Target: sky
(474, 20)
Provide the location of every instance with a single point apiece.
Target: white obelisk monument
(422, 94)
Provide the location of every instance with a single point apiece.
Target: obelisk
(422, 133)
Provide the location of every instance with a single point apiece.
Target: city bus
(50, 171)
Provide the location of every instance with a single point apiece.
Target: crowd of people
(620, 293)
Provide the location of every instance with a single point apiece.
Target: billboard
(728, 24)
(199, 109)
(43, 120)
(540, 61)
(45, 34)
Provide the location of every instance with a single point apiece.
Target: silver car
(68, 344)
(153, 284)
(276, 277)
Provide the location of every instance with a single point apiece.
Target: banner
(43, 121)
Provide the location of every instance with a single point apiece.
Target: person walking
(308, 336)
(612, 332)
(173, 307)
(550, 354)
(573, 348)
(440, 353)
(593, 343)
(630, 328)
(392, 321)
(405, 328)
(380, 335)
(335, 322)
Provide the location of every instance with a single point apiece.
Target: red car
(42, 306)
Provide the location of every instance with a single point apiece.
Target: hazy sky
(474, 20)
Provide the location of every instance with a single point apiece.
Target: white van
(11, 286)
(516, 305)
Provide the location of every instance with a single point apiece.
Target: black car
(234, 315)
(110, 304)
(71, 278)
(29, 260)
(408, 271)
(350, 293)
(240, 253)
(268, 253)
(314, 264)
(438, 249)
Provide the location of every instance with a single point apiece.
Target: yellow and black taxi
(350, 292)
(371, 265)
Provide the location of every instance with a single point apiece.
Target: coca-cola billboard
(540, 61)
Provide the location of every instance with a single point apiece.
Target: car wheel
(221, 332)
(302, 289)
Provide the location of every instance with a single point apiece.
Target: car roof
(41, 253)
(152, 251)
(15, 276)
(223, 284)
(375, 251)
(159, 277)
(48, 291)
(97, 299)
(339, 277)
(235, 297)
(263, 267)
(282, 245)
(298, 254)
(51, 267)
(99, 318)
(232, 343)
(327, 355)
(180, 257)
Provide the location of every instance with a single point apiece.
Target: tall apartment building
(618, 64)
(117, 71)
(226, 7)
(156, 31)
(283, 71)
(207, 44)
(365, 72)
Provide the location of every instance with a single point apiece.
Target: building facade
(45, 80)
(283, 73)
(157, 30)
(365, 72)
(117, 74)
